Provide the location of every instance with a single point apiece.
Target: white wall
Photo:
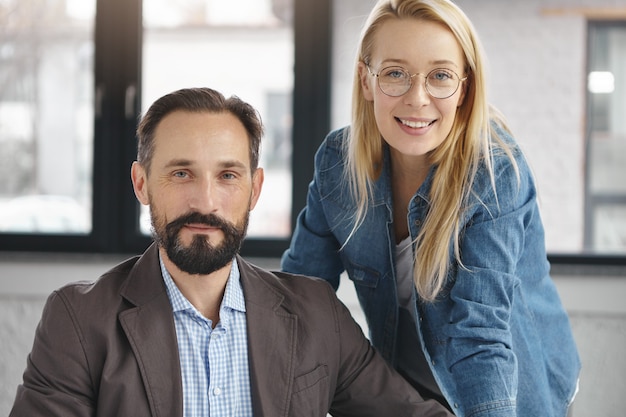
(595, 305)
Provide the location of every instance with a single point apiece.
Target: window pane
(606, 157)
(243, 48)
(46, 116)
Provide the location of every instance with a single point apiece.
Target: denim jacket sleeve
(496, 239)
(314, 249)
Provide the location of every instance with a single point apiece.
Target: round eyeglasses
(396, 81)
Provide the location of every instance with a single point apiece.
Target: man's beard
(200, 257)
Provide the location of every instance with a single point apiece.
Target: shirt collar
(233, 295)
(382, 186)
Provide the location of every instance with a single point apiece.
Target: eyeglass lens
(396, 81)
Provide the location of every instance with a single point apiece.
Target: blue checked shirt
(214, 362)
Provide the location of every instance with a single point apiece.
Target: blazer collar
(272, 342)
(149, 326)
(144, 281)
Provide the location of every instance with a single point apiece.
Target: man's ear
(257, 184)
(140, 182)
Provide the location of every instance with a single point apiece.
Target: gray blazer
(108, 348)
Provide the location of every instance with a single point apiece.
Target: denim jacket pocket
(364, 276)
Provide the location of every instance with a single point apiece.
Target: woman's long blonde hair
(469, 143)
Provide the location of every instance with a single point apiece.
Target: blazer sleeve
(367, 385)
(56, 380)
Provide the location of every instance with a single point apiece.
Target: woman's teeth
(414, 124)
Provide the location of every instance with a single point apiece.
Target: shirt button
(217, 391)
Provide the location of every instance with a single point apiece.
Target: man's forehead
(204, 120)
(213, 128)
(187, 138)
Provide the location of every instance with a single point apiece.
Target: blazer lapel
(150, 329)
(272, 343)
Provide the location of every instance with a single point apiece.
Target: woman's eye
(395, 74)
(442, 75)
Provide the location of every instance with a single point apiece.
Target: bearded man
(190, 328)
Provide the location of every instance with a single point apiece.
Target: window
(241, 47)
(75, 75)
(605, 211)
(46, 61)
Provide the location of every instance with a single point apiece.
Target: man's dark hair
(197, 100)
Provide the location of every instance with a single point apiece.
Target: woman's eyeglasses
(395, 81)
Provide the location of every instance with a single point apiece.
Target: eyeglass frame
(377, 75)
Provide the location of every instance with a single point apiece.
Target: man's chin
(186, 238)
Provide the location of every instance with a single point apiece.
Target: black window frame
(581, 262)
(117, 86)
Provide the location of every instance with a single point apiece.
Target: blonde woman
(428, 204)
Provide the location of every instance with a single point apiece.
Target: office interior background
(76, 74)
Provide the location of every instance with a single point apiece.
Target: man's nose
(202, 196)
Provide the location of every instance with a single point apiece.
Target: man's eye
(180, 174)
(228, 176)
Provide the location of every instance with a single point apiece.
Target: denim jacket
(497, 338)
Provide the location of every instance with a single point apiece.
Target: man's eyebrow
(178, 163)
(228, 163)
(232, 163)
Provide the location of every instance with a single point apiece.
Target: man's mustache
(211, 220)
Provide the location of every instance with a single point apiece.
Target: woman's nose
(418, 94)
